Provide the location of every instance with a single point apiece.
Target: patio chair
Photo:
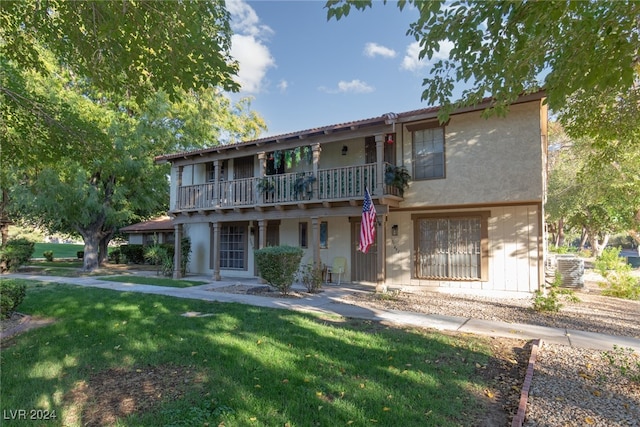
(339, 266)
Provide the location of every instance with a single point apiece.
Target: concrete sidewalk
(331, 302)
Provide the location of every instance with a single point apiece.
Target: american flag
(368, 224)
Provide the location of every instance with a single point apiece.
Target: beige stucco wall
(514, 257)
(492, 160)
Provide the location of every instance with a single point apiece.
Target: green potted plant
(302, 186)
(266, 185)
(397, 176)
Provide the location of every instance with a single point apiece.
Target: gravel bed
(580, 387)
(593, 313)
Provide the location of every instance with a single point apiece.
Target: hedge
(16, 252)
(278, 265)
(11, 295)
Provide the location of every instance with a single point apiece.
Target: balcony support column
(262, 163)
(177, 252)
(215, 250)
(381, 236)
(262, 240)
(315, 241)
(379, 190)
(316, 164)
(216, 182)
(179, 198)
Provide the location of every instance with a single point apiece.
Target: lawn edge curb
(518, 420)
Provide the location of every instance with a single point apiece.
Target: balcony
(330, 185)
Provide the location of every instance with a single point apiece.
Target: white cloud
(411, 61)
(254, 59)
(244, 20)
(283, 85)
(354, 86)
(373, 49)
(248, 46)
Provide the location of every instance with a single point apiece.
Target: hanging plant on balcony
(302, 186)
(266, 185)
(397, 176)
(292, 157)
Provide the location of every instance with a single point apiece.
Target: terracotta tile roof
(424, 113)
(162, 223)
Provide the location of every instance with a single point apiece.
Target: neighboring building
(471, 217)
(144, 233)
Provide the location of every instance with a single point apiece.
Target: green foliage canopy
(589, 190)
(77, 161)
(506, 48)
(125, 47)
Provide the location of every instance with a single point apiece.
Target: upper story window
(428, 151)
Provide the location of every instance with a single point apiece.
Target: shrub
(625, 360)
(11, 295)
(115, 255)
(133, 253)
(551, 301)
(16, 252)
(186, 254)
(158, 255)
(278, 265)
(618, 280)
(48, 255)
(621, 283)
(311, 277)
(80, 254)
(609, 260)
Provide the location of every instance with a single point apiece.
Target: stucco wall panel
(487, 160)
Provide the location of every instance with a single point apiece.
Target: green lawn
(156, 281)
(60, 250)
(238, 366)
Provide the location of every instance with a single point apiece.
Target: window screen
(428, 153)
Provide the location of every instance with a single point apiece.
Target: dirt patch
(117, 393)
(505, 373)
(18, 323)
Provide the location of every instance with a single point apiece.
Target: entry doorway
(364, 267)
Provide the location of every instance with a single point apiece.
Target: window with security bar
(450, 248)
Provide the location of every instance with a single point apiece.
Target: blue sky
(303, 71)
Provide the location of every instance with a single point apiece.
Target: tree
(90, 91)
(505, 48)
(127, 47)
(587, 191)
(106, 177)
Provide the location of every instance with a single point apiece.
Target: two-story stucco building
(471, 217)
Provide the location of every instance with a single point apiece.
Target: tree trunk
(4, 218)
(598, 243)
(91, 244)
(583, 239)
(560, 232)
(103, 252)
